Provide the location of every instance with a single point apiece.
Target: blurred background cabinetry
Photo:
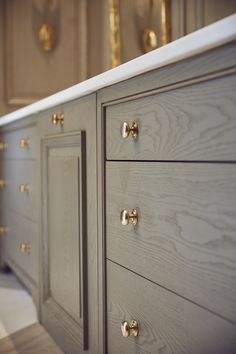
(87, 38)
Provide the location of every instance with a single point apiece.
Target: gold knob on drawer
(3, 230)
(3, 146)
(129, 329)
(127, 130)
(24, 188)
(25, 247)
(126, 217)
(58, 118)
(3, 183)
(24, 143)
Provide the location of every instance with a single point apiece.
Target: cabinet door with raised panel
(64, 235)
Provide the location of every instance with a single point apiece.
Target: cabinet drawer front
(21, 144)
(196, 122)
(185, 238)
(20, 192)
(72, 114)
(21, 231)
(167, 323)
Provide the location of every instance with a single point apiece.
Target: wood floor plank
(30, 340)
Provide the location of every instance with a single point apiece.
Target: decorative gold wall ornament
(165, 22)
(47, 34)
(114, 18)
(149, 36)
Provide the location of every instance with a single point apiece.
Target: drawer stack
(171, 220)
(19, 193)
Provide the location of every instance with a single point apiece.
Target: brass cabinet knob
(127, 130)
(24, 143)
(3, 230)
(3, 183)
(129, 329)
(25, 247)
(126, 217)
(24, 188)
(3, 146)
(58, 118)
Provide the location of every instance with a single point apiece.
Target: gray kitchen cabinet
(19, 195)
(68, 243)
(167, 208)
(125, 202)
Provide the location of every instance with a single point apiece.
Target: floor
(30, 340)
(20, 332)
(17, 309)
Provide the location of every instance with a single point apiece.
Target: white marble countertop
(207, 38)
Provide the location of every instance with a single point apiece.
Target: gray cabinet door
(64, 290)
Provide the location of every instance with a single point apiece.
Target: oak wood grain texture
(73, 117)
(209, 63)
(30, 340)
(21, 230)
(82, 116)
(193, 123)
(13, 138)
(185, 239)
(65, 238)
(17, 173)
(167, 322)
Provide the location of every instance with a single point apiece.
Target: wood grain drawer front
(185, 238)
(196, 122)
(20, 193)
(21, 144)
(72, 113)
(21, 231)
(167, 323)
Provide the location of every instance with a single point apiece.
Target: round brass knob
(25, 247)
(24, 143)
(3, 230)
(129, 329)
(127, 130)
(3, 146)
(58, 119)
(24, 188)
(126, 217)
(3, 183)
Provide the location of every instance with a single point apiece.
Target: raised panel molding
(64, 245)
(31, 73)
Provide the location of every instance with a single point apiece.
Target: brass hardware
(24, 143)
(47, 37)
(24, 188)
(25, 247)
(47, 34)
(3, 146)
(114, 18)
(3, 183)
(127, 130)
(57, 118)
(3, 230)
(149, 36)
(149, 39)
(126, 217)
(129, 329)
